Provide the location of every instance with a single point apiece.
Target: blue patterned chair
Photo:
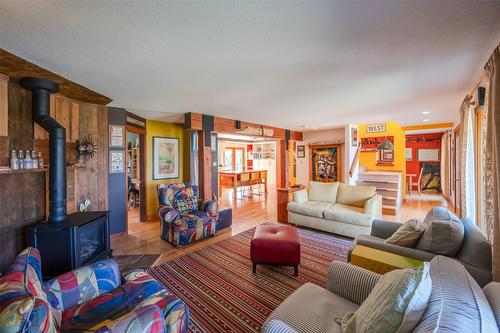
(184, 217)
(90, 298)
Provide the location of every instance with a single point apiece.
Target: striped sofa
(314, 309)
(91, 298)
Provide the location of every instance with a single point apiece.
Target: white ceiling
(282, 63)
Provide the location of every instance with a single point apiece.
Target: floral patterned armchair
(90, 298)
(185, 218)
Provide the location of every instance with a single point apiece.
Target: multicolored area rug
(223, 295)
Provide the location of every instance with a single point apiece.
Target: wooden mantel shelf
(10, 171)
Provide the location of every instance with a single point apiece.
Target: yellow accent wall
(160, 128)
(369, 159)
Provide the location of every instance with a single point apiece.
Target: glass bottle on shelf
(14, 161)
(21, 159)
(40, 160)
(27, 160)
(34, 160)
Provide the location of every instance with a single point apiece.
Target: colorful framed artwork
(165, 158)
(116, 136)
(325, 163)
(301, 151)
(354, 137)
(116, 161)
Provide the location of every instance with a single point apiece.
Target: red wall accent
(413, 167)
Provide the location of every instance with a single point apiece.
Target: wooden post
(282, 164)
(205, 165)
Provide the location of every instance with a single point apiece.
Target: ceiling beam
(225, 125)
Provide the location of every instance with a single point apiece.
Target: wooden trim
(18, 68)
(142, 172)
(136, 117)
(4, 105)
(132, 128)
(226, 125)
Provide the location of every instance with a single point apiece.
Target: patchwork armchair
(184, 217)
(90, 298)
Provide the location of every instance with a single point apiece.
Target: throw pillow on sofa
(355, 195)
(396, 303)
(186, 205)
(443, 234)
(408, 234)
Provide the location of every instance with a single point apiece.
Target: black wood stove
(65, 241)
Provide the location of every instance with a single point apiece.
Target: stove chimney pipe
(40, 101)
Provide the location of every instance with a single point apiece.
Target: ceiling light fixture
(426, 112)
(425, 120)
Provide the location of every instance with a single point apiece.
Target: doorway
(247, 169)
(135, 162)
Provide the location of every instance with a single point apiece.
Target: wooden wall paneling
(88, 179)
(75, 112)
(62, 114)
(23, 203)
(17, 68)
(4, 151)
(4, 105)
(70, 190)
(102, 156)
(20, 119)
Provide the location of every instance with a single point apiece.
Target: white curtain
(467, 176)
(492, 159)
(445, 164)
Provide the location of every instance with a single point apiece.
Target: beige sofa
(335, 207)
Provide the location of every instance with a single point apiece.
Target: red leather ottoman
(275, 245)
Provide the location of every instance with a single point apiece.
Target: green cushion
(408, 234)
(396, 303)
(186, 205)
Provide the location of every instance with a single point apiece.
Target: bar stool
(255, 181)
(243, 183)
(262, 178)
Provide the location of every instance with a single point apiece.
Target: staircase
(389, 185)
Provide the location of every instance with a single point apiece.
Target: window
(234, 158)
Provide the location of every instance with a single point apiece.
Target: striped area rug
(223, 295)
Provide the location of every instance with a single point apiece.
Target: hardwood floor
(144, 237)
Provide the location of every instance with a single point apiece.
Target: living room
(249, 166)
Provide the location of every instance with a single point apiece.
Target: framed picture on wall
(354, 137)
(166, 154)
(116, 161)
(325, 163)
(116, 136)
(301, 151)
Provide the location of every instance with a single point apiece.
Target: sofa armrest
(146, 319)
(277, 326)
(90, 281)
(300, 196)
(168, 214)
(384, 229)
(396, 249)
(351, 282)
(211, 208)
(373, 206)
